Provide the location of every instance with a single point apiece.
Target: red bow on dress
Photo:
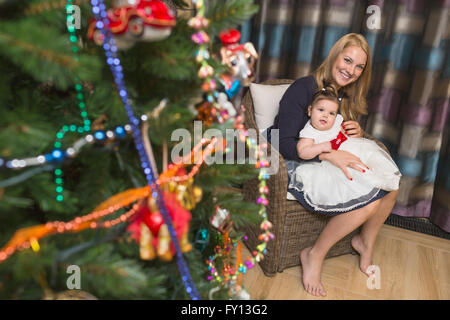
(336, 143)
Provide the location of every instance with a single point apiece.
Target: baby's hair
(326, 93)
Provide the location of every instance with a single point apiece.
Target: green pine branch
(45, 54)
(106, 274)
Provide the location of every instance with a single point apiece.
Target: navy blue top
(292, 115)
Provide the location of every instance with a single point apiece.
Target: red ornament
(135, 227)
(154, 221)
(230, 37)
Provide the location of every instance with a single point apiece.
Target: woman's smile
(345, 75)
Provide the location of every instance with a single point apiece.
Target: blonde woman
(348, 69)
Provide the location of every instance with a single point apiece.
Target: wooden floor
(412, 266)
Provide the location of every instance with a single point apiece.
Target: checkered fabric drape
(410, 87)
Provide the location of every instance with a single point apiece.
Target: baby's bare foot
(365, 253)
(312, 267)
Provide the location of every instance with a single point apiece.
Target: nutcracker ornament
(135, 20)
(152, 234)
(148, 227)
(240, 60)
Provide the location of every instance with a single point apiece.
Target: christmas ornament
(201, 239)
(211, 109)
(198, 22)
(186, 193)
(222, 100)
(164, 244)
(110, 48)
(205, 72)
(209, 85)
(221, 220)
(200, 38)
(135, 20)
(149, 230)
(240, 60)
(146, 249)
(238, 292)
(206, 113)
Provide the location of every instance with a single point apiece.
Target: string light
(59, 155)
(77, 224)
(86, 127)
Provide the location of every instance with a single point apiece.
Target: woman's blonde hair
(354, 102)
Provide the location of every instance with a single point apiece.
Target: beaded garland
(113, 61)
(205, 72)
(86, 127)
(58, 155)
(228, 272)
(27, 237)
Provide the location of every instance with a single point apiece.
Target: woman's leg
(336, 228)
(365, 241)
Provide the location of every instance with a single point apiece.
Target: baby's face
(323, 113)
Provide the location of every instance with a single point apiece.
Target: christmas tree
(75, 173)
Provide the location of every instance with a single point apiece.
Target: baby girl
(324, 186)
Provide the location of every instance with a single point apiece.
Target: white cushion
(266, 102)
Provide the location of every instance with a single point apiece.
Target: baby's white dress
(325, 188)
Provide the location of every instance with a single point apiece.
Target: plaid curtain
(410, 87)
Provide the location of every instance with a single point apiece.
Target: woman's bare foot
(312, 268)
(365, 253)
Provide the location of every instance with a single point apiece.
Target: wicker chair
(294, 227)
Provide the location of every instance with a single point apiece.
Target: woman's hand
(352, 129)
(343, 160)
